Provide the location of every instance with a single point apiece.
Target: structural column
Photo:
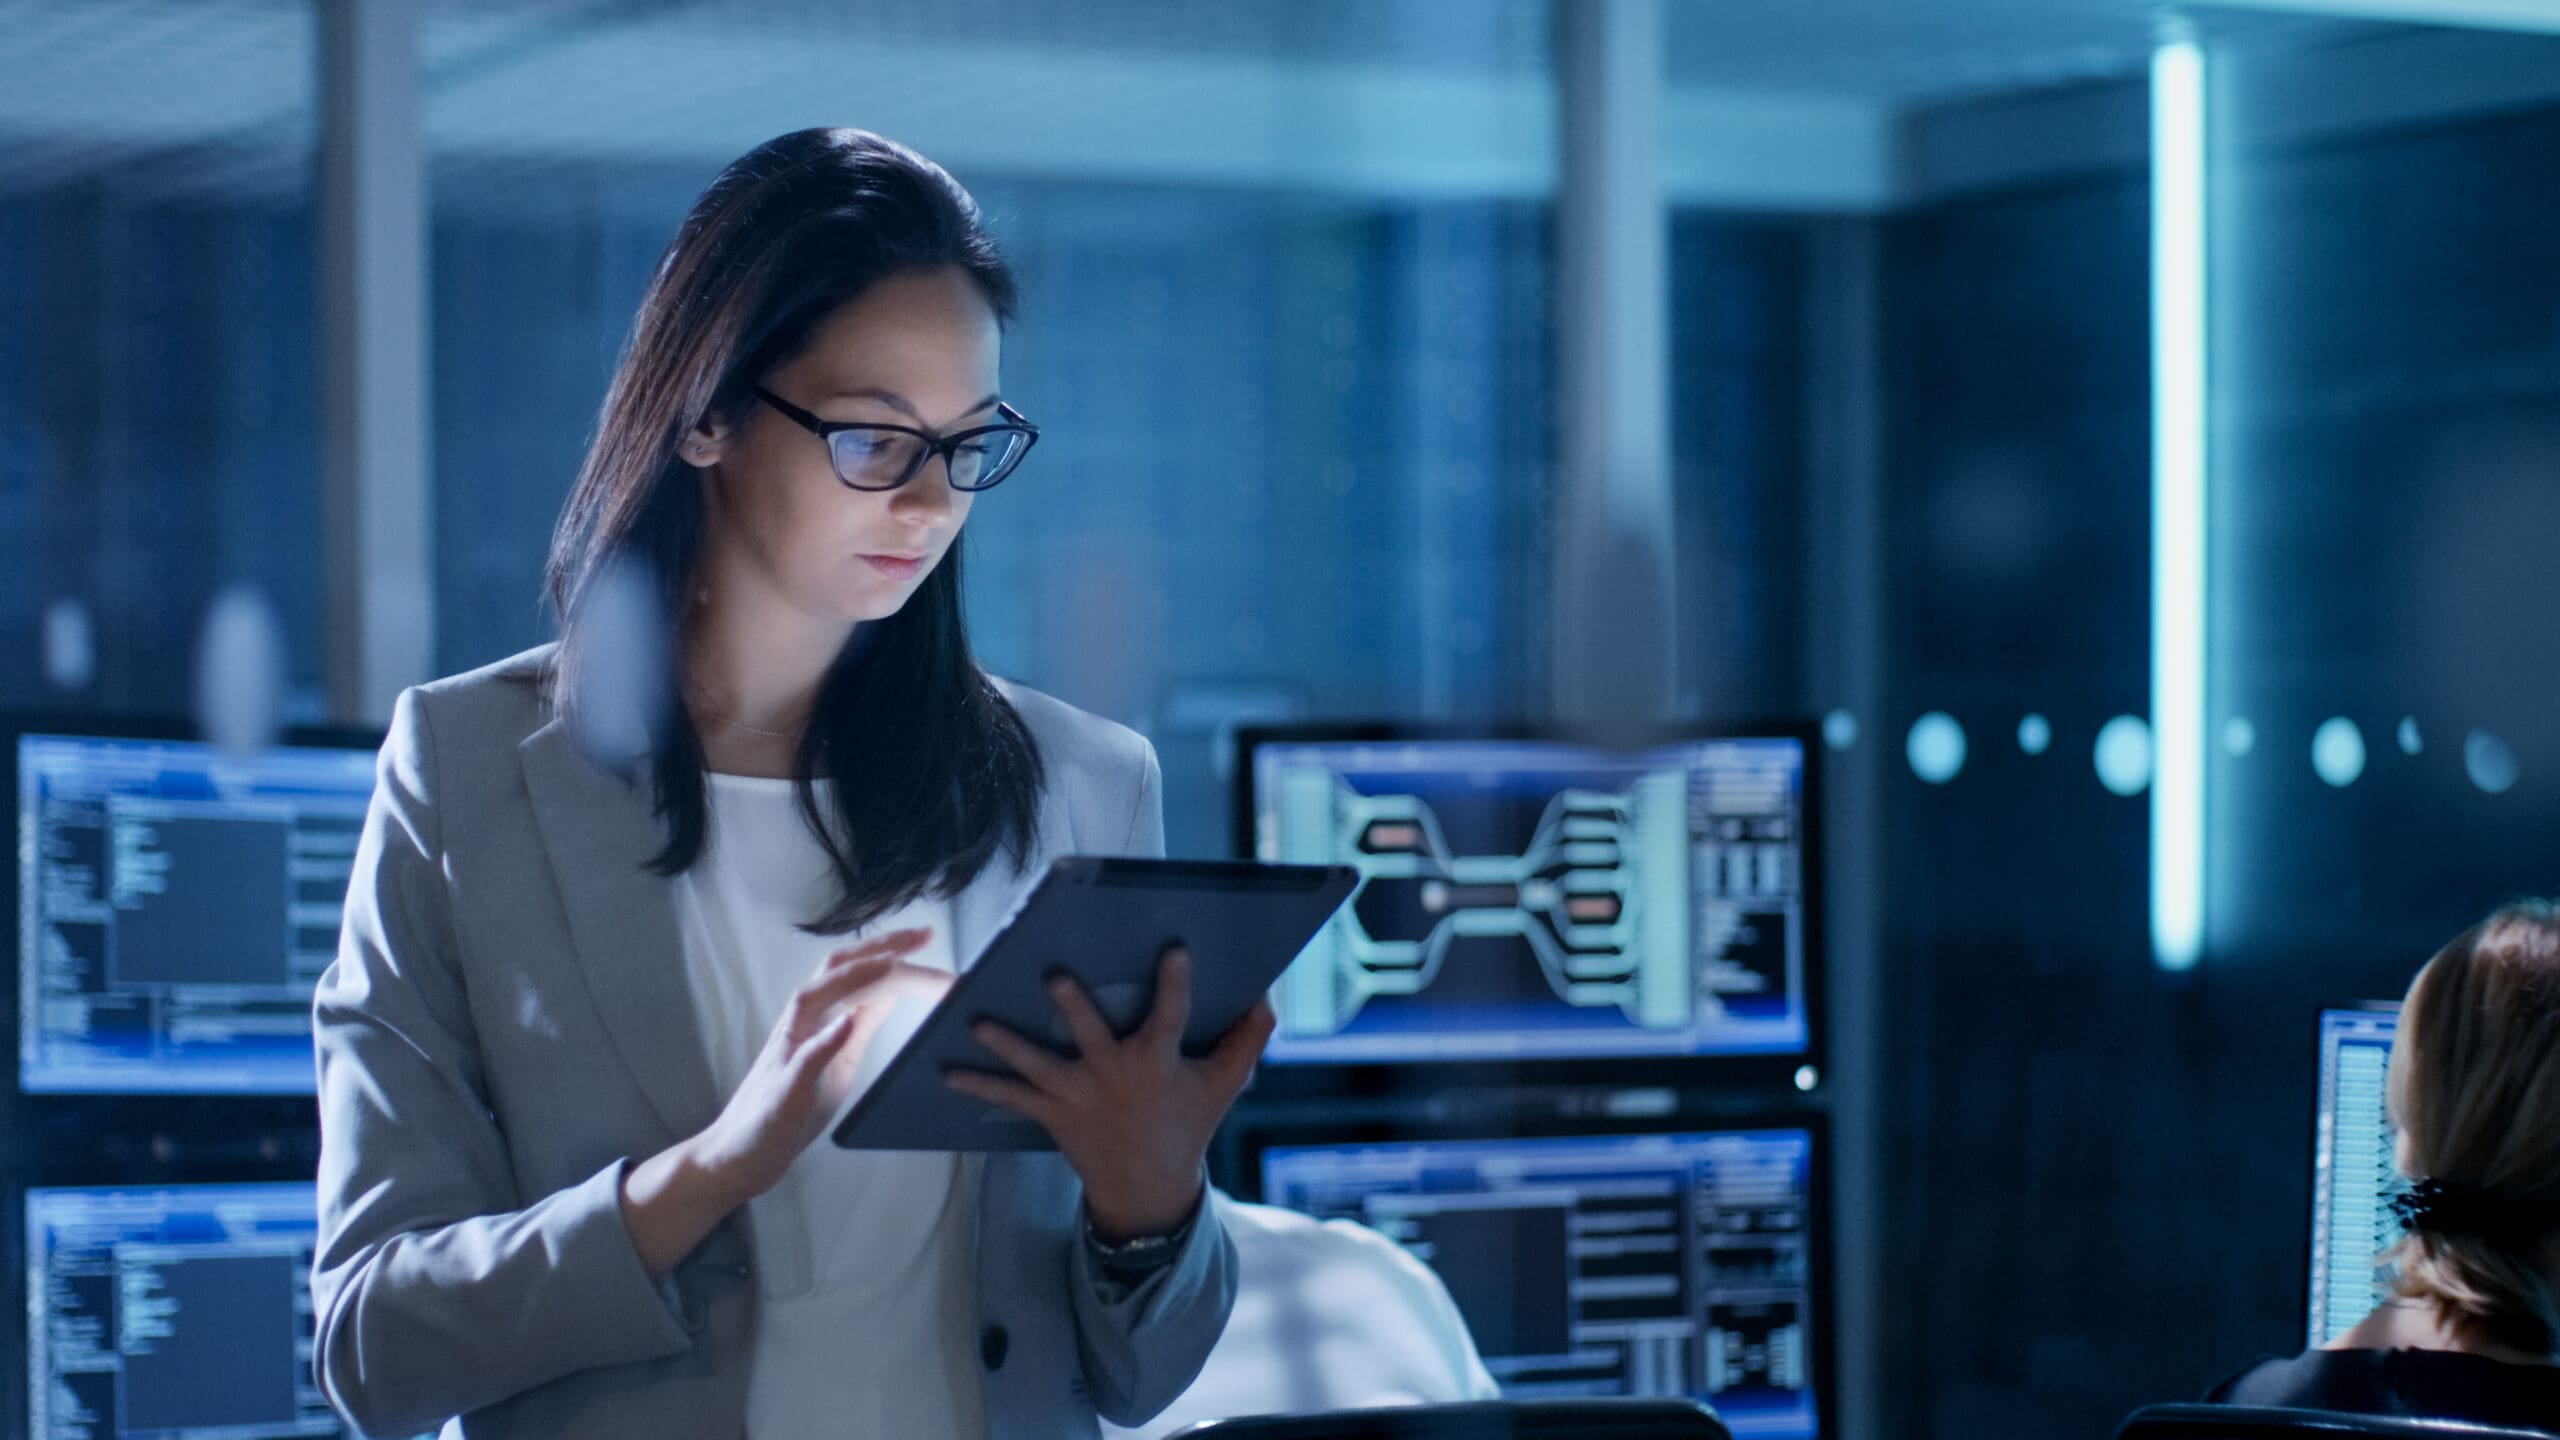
(372, 210)
(1613, 641)
(1844, 605)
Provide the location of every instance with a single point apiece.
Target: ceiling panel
(1428, 93)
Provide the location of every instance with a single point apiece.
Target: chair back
(2267, 1422)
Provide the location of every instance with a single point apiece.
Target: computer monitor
(169, 1311)
(1532, 899)
(1662, 1263)
(175, 905)
(2354, 1174)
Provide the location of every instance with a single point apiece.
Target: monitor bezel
(158, 1130)
(1782, 1071)
(1257, 1135)
(2311, 1232)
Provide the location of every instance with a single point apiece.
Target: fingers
(896, 942)
(1011, 1095)
(1032, 1063)
(809, 1060)
(818, 1002)
(867, 1020)
(839, 976)
(1172, 1009)
(1231, 1062)
(873, 980)
(1084, 1022)
(890, 980)
(871, 954)
(1165, 1018)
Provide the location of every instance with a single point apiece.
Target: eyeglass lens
(882, 459)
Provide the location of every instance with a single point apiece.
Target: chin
(876, 602)
(864, 613)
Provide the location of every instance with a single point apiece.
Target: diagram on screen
(1522, 900)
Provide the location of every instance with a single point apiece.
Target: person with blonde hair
(2471, 1330)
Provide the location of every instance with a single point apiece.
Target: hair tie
(2435, 1208)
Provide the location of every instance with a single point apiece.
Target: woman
(630, 913)
(2472, 1329)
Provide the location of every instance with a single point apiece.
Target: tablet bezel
(942, 1041)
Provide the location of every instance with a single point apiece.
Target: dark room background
(1297, 464)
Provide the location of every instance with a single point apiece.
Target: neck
(752, 665)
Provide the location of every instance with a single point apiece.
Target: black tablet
(1106, 922)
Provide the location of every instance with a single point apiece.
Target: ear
(702, 445)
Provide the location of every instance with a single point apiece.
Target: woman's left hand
(1132, 1116)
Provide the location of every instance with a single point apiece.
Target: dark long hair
(934, 771)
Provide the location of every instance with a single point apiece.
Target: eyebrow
(901, 403)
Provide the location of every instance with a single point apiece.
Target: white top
(1329, 1315)
(866, 1259)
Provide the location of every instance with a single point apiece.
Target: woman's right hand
(806, 1068)
(809, 1058)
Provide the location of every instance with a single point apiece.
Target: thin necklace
(736, 724)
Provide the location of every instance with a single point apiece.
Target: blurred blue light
(2491, 764)
(2177, 502)
(1936, 747)
(2337, 751)
(1839, 729)
(2035, 733)
(2239, 736)
(2123, 755)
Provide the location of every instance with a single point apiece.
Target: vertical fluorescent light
(2177, 500)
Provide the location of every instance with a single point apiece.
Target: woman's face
(917, 349)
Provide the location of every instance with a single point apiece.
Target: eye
(873, 457)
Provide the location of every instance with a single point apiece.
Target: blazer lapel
(978, 912)
(601, 834)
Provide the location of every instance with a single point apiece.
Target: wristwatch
(1144, 1255)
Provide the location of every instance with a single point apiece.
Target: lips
(896, 567)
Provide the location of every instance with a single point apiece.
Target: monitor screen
(1525, 900)
(1657, 1264)
(2353, 1171)
(176, 905)
(182, 1310)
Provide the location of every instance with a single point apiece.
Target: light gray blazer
(507, 1027)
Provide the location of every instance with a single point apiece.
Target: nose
(929, 496)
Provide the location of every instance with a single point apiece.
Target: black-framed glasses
(884, 457)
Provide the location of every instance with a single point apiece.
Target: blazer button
(992, 1343)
